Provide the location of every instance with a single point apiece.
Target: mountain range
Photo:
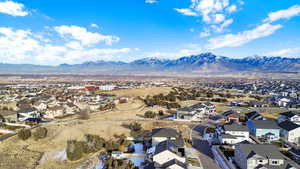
(205, 63)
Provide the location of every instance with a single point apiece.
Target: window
(260, 161)
(274, 162)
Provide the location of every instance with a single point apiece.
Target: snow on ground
(137, 161)
(62, 155)
(99, 165)
(138, 149)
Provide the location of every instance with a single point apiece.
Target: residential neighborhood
(187, 127)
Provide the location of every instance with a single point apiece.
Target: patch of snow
(137, 161)
(62, 155)
(99, 165)
(138, 148)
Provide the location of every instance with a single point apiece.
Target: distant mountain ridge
(207, 63)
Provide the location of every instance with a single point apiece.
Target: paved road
(203, 147)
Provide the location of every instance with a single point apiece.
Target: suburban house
(28, 114)
(254, 116)
(233, 134)
(264, 129)
(55, 111)
(284, 102)
(231, 116)
(167, 151)
(195, 112)
(290, 131)
(239, 103)
(290, 116)
(161, 134)
(71, 108)
(168, 154)
(40, 106)
(261, 156)
(254, 103)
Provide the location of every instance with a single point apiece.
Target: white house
(166, 151)
(40, 106)
(233, 134)
(195, 112)
(290, 116)
(262, 156)
(290, 131)
(55, 111)
(161, 134)
(28, 113)
(283, 102)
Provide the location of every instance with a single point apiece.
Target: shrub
(94, 142)
(2, 119)
(135, 126)
(76, 149)
(84, 115)
(24, 134)
(160, 113)
(40, 133)
(149, 114)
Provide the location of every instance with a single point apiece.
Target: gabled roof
(228, 136)
(166, 145)
(289, 114)
(172, 162)
(230, 112)
(252, 115)
(165, 132)
(288, 125)
(27, 110)
(265, 124)
(235, 127)
(264, 150)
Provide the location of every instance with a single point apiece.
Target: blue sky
(52, 32)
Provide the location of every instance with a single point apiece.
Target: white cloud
(93, 25)
(190, 49)
(74, 45)
(86, 38)
(220, 28)
(283, 14)
(205, 33)
(239, 39)
(32, 49)
(214, 13)
(219, 18)
(231, 8)
(263, 30)
(186, 11)
(12, 8)
(150, 1)
(288, 52)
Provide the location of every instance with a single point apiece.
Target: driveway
(202, 145)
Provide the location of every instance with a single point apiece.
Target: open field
(140, 91)
(15, 152)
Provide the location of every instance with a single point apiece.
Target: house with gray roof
(290, 116)
(161, 134)
(195, 112)
(290, 131)
(233, 133)
(167, 154)
(261, 156)
(264, 129)
(31, 114)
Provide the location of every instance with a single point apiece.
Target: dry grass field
(15, 153)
